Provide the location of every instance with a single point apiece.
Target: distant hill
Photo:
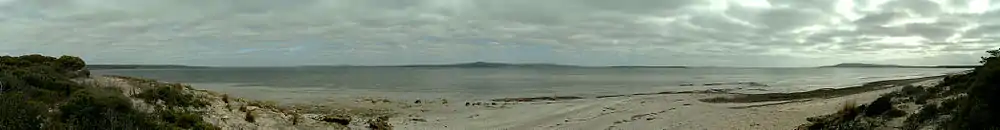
(863, 65)
(648, 66)
(105, 67)
(488, 65)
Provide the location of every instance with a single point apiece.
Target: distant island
(108, 66)
(492, 65)
(863, 65)
(648, 66)
(531, 65)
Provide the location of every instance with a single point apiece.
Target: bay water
(304, 84)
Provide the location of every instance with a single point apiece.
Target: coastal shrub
(295, 118)
(918, 120)
(102, 108)
(225, 98)
(380, 123)
(928, 112)
(956, 84)
(339, 119)
(849, 109)
(922, 99)
(37, 93)
(20, 114)
(935, 90)
(951, 104)
(171, 96)
(70, 63)
(895, 113)
(912, 90)
(879, 106)
(249, 117)
(977, 111)
(263, 104)
(180, 118)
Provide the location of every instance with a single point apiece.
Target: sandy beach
(713, 109)
(658, 111)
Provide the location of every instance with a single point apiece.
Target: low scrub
(37, 93)
(879, 106)
(171, 95)
(978, 109)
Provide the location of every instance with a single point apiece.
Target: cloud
(587, 32)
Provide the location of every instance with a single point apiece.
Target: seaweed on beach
(533, 99)
(820, 93)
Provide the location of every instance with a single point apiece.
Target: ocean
(305, 84)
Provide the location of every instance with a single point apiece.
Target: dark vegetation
(533, 99)
(983, 89)
(959, 102)
(38, 92)
(339, 119)
(862, 65)
(857, 117)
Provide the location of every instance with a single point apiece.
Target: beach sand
(646, 112)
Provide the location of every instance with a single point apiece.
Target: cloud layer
(585, 32)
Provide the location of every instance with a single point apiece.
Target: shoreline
(819, 93)
(748, 98)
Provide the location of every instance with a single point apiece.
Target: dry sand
(645, 112)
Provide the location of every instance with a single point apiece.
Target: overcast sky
(580, 32)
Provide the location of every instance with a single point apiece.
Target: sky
(754, 33)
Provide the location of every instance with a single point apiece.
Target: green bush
(35, 84)
(879, 106)
(171, 95)
(184, 119)
(102, 108)
(977, 111)
(19, 113)
(912, 90)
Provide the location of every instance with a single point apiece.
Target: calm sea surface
(305, 83)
